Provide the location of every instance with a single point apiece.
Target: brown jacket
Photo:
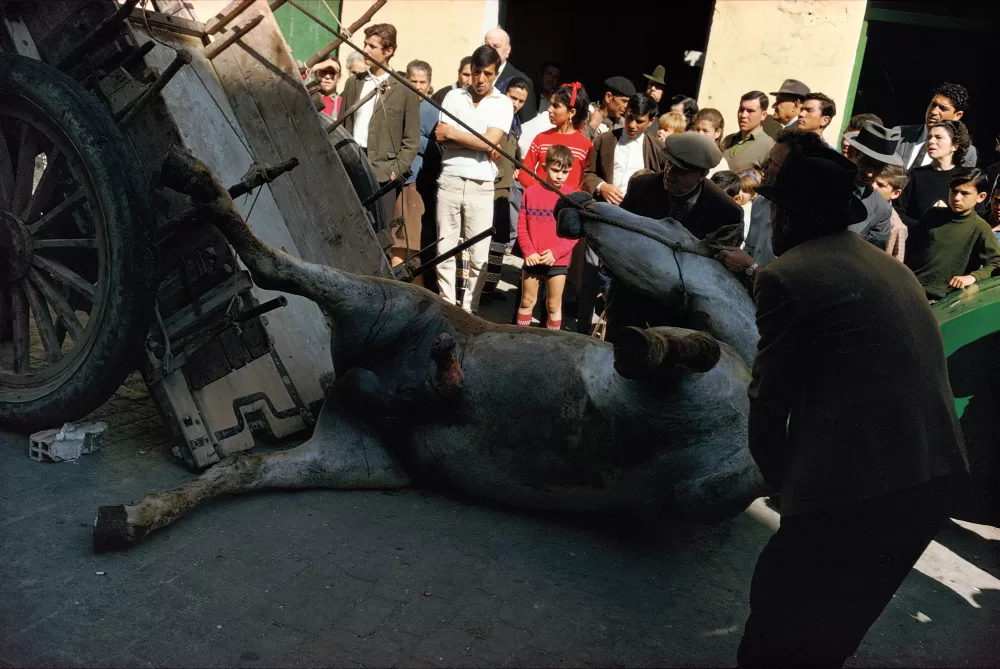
(601, 164)
(850, 397)
(714, 215)
(394, 131)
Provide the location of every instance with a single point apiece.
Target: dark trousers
(824, 577)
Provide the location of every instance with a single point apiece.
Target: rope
(674, 246)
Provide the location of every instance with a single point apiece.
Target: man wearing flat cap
(682, 192)
(842, 327)
(611, 107)
(787, 105)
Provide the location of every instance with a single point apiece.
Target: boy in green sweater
(955, 247)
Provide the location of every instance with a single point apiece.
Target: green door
(304, 35)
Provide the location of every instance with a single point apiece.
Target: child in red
(546, 255)
(568, 113)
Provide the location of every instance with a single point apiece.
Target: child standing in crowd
(568, 113)
(710, 122)
(954, 247)
(669, 124)
(891, 181)
(546, 255)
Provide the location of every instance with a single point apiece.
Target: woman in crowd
(568, 113)
(517, 90)
(684, 105)
(709, 122)
(947, 143)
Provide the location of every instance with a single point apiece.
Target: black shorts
(547, 271)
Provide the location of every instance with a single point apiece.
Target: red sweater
(536, 224)
(579, 145)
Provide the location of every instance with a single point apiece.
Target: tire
(360, 173)
(117, 214)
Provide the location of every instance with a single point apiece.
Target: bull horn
(645, 354)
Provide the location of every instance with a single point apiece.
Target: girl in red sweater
(568, 113)
(546, 255)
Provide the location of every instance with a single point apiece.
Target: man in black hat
(863, 492)
(656, 84)
(871, 149)
(787, 105)
(617, 91)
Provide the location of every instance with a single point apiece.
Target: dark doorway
(914, 46)
(594, 42)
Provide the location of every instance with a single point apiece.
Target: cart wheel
(360, 173)
(77, 258)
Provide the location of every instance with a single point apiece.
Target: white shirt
(363, 117)
(493, 111)
(532, 129)
(628, 159)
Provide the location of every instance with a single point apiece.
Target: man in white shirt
(465, 188)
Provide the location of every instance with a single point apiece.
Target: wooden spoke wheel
(77, 270)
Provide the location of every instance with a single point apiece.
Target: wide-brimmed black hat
(818, 182)
(877, 142)
(658, 76)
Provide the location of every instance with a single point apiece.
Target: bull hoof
(111, 529)
(646, 354)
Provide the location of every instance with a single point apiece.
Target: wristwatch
(751, 269)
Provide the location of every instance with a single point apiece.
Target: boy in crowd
(891, 181)
(546, 254)
(954, 247)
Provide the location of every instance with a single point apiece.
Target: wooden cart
(97, 277)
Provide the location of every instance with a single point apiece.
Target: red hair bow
(574, 87)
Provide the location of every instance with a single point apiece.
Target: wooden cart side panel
(299, 330)
(335, 224)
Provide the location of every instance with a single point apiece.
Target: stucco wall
(441, 32)
(757, 45)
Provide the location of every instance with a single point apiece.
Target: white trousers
(464, 209)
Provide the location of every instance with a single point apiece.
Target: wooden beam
(215, 48)
(170, 23)
(222, 20)
(354, 27)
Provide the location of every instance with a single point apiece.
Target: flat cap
(691, 151)
(620, 86)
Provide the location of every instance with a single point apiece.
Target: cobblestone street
(324, 578)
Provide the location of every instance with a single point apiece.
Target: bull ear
(657, 353)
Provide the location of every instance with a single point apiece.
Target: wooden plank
(215, 48)
(335, 212)
(209, 129)
(230, 12)
(174, 24)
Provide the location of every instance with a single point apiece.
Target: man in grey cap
(609, 113)
(787, 104)
(682, 192)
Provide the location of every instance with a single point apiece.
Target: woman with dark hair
(568, 113)
(517, 89)
(947, 143)
(684, 105)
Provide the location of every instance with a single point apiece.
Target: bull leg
(656, 352)
(343, 454)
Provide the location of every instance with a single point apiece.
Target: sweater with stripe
(536, 225)
(578, 145)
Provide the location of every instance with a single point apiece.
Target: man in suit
(787, 105)
(619, 154)
(387, 126)
(948, 103)
(682, 191)
(500, 40)
(867, 477)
